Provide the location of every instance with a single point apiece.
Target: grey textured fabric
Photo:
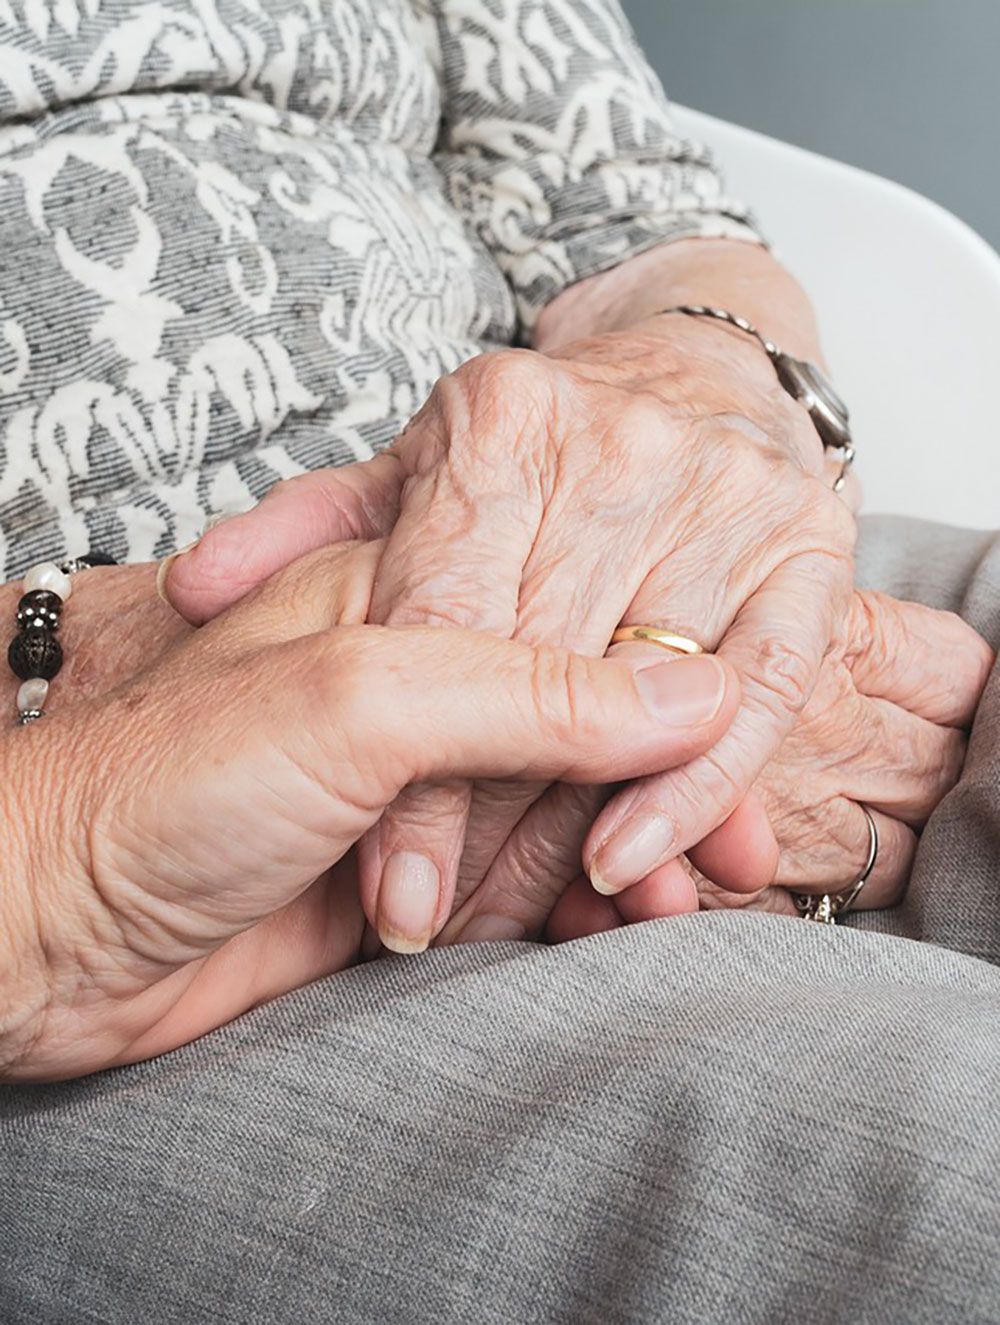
(722, 1118)
(240, 239)
(954, 895)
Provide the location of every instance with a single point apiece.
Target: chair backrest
(909, 303)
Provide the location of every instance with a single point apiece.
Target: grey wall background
(907, 88)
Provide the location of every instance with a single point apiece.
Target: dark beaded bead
(97, 559)
(39, 610)
(35, 653)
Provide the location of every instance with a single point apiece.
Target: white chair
(909, 304)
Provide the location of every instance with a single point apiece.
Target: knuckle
(496, 418)
(340, 709)
(511, 382)
(813, 516)
(726, 457)
(720, 788)
(424, 442)
(355, 566)
(553, 851)
(531, 878)
(453, 615)
(348, 680)
(434, 813)
(784, 674)
(975, 655)
(563, 701)
(747, 464)
(642, 425)
(330, 673)
(702, 793)
(507, 368)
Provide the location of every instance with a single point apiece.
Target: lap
(716, 1118)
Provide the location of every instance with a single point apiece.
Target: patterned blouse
(240, 239)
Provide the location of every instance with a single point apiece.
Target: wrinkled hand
(172, 846)
(657, 476)
(885, 727)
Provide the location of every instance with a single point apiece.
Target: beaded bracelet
(35, 655)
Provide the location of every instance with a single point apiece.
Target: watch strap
(734, 320)
(778, 358)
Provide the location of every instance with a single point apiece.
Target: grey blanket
(726, 1117)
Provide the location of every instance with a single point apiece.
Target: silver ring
(828, 908)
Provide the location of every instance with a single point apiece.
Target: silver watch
(803, 381)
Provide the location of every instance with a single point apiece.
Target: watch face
(813, 390)
(822, 388)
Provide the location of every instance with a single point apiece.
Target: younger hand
(114, 627)
(172, 846)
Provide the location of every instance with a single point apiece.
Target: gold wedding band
(666, 639)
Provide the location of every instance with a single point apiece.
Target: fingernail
(685, 691)
(408, 901)
(491, 929)
(163, 570)
(632, 852)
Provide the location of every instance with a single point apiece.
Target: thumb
(465, 704)
(440, 704)
(358, 502)
(280, 764)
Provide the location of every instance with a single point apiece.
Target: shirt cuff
(547, 236)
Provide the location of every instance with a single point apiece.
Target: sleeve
(557, 145)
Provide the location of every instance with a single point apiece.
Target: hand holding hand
(174, 842)
(658, 476)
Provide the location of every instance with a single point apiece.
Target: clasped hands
(185, 819)
(655, 476)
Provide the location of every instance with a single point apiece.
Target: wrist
(712, 371)
(112, 628)
(803, 383)
(733, 274)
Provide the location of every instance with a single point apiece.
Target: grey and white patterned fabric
(240, 239)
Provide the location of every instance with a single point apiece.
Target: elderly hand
(656, 476)
(885, 728)
(170, 846)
